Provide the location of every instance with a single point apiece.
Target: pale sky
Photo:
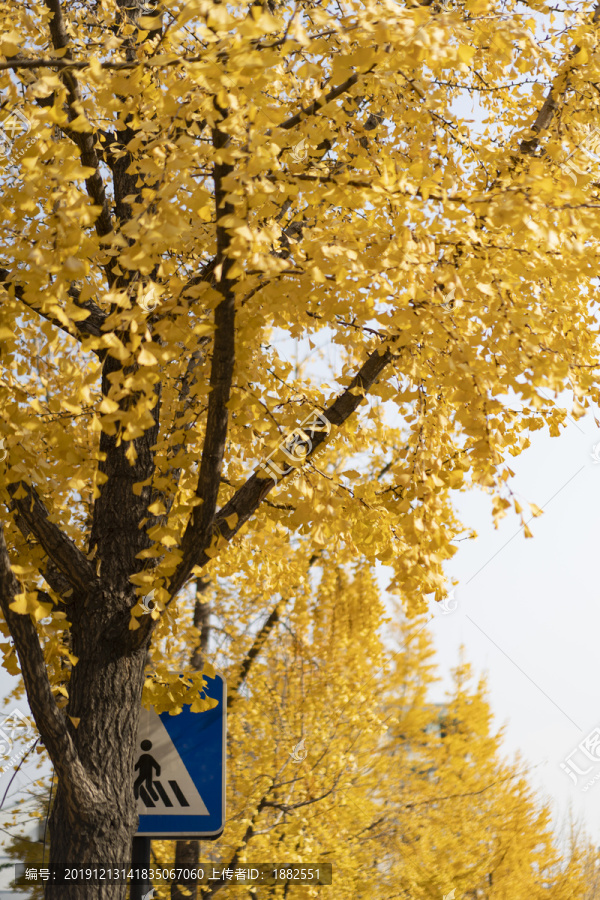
(528, 613)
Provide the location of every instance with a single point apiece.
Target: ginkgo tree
(187, 192)
(456, 813)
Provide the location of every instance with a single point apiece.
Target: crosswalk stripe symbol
(178, 794)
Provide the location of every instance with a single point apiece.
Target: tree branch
(83, 140)
(60, 549)
(223, 361)
(320, 102)
(284, 807)
(249, 497)
(206, 274)
(49, 719)
(234, 692)
(477, 793)
(550, 105)
(216, 886)
(78, 330)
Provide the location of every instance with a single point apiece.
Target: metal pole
(140, 859)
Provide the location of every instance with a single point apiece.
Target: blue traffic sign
(180, 770)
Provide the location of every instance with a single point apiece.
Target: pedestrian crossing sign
(179, 774)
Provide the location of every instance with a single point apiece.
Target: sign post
(140, 859)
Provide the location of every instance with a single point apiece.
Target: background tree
(465, 817)
(198, 189)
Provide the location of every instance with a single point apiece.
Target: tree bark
(105, 694)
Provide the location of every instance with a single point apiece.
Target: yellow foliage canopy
(195, 198)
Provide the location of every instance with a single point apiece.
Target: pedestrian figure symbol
(146, 764)
(150, 790)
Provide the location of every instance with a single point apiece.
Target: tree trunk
(105, 694)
